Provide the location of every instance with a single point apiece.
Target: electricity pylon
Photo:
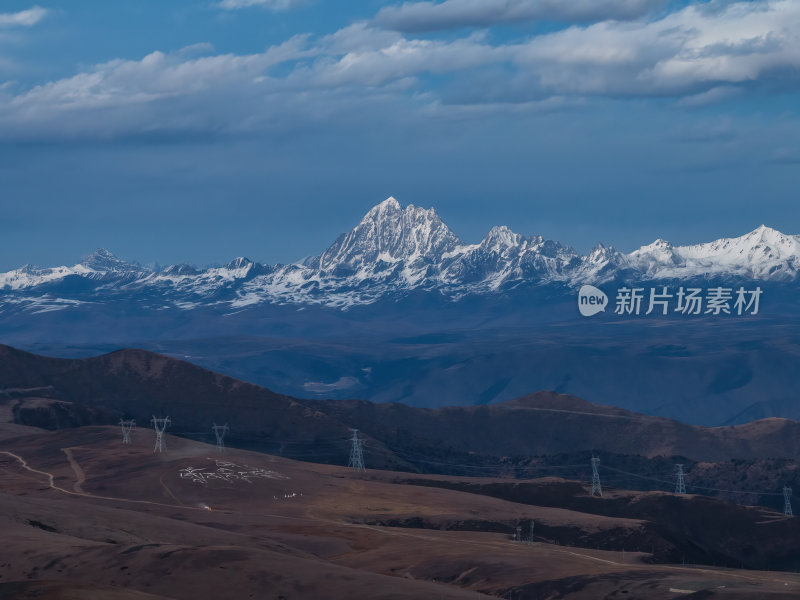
(219, 432)
(356, 453)
(597, 489)
(160, 425)
(127, 426)
(680, 485)
(787, 501)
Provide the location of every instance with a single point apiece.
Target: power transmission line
(127, 426)
(219, 433)
(680, 485)
(417, 458)
(356, 461)
(160, 425)
(691, 486)
(597, 489)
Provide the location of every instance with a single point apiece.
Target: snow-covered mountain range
(395, 250)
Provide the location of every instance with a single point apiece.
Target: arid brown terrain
(84, 516)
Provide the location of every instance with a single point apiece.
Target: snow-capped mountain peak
(655, 247)
(180, 270)
(762, 253)
(390, 205)
(396, 249)
(389, 233)
(240, 262)
(102, 261)
(500, 238)
(763, 243)
(602, 255)
(656, 257)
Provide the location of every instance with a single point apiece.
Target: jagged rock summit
(394, 250)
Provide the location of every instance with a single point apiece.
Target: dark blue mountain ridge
(399, 309)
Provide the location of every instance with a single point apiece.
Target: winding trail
(58, 488)
(391, 531)
(80, 476)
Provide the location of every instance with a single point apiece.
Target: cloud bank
(24, 18)
(451, 14)
(699, 55)
(276, 5)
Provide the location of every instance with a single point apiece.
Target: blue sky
(175, 131)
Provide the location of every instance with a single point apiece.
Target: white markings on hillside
(228, 472)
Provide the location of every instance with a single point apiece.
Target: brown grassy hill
(548, 423)
(57, 393)
(84, 516)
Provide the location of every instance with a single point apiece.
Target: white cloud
(687, 52)
(697, 55)
(713, 96)
(450, 14)
(24, 18)
(276, 5)
(399, 58)
(158, 76)
(197, 49)
(160, 92)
